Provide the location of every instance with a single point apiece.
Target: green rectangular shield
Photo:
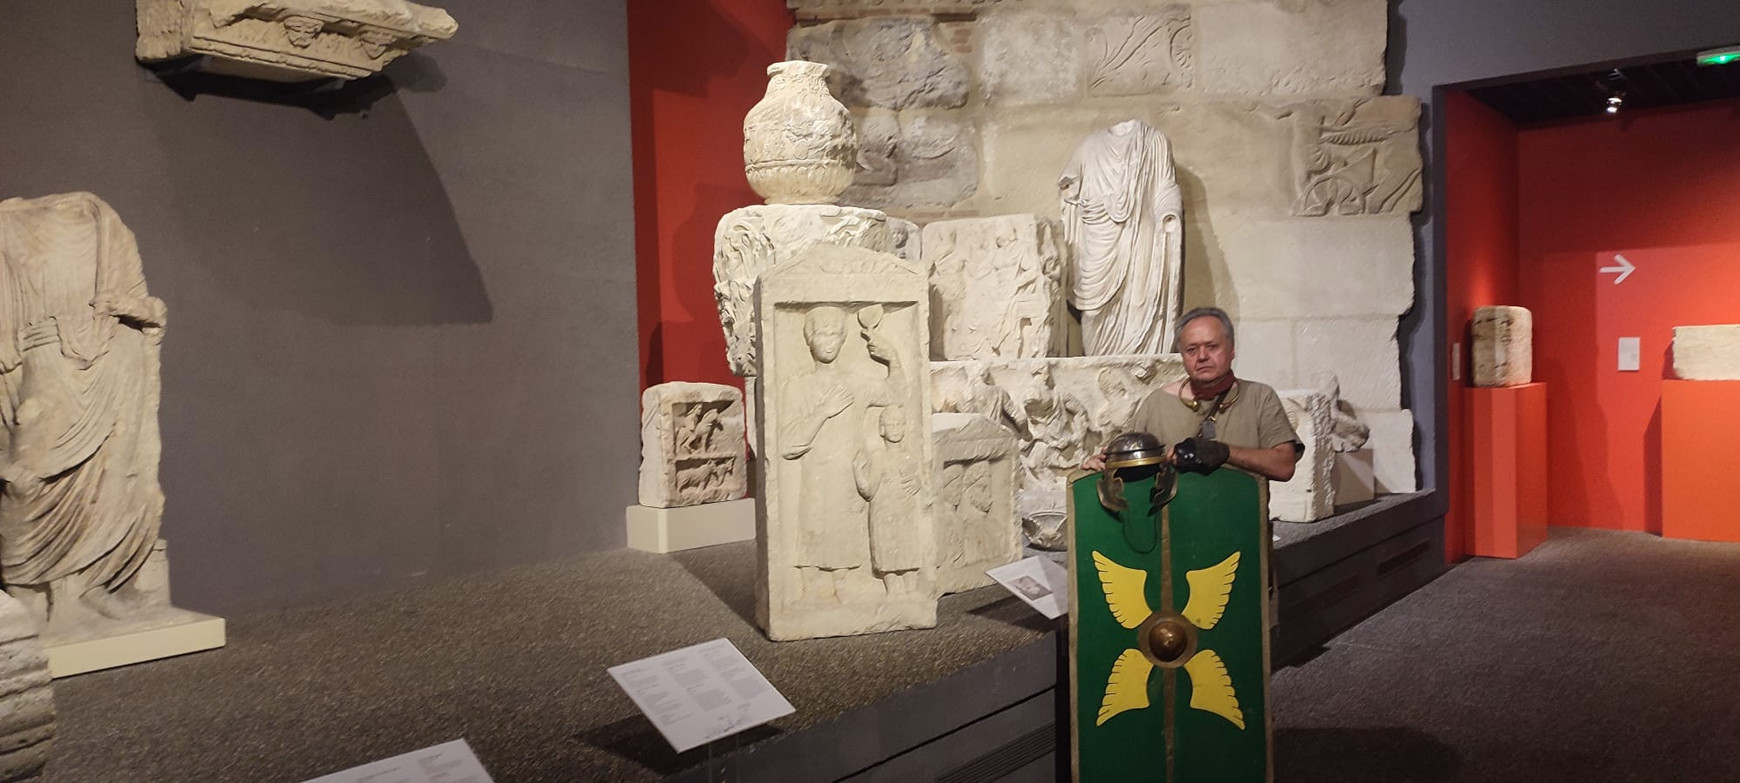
(1169, 632)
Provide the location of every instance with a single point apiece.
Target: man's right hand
(1095, 462)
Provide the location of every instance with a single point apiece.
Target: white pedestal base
(665, 530)
(162, 633)
(1355, 479)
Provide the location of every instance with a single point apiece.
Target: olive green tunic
(1254, 420)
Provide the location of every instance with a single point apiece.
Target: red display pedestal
(1508, 463)
(1700, 428)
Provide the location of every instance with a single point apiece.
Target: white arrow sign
(1624, 269)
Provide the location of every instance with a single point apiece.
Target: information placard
(449, 762)
(1039, 581)
(698, 694)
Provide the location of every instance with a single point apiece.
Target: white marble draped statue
(1124, 218)
(79, 347)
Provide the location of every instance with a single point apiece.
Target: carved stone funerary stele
(1124, 218)
(996, 287)
(288, 40)
(1503, 346)
(691, 445)
(846, 465)
(976, 526)
(79, 345)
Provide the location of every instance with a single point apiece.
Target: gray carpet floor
(1600, 656)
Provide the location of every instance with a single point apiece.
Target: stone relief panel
(27, 734)
(915, 161)
(905, 238)
(1503, 346)
(1310, 494)
(1144, 54)
(893, 62)
(1060, 409)
(996, 287)
(288, 40)
(847, 476)
(976, 526)
(1291, 47)
(691, 441)
(80, 346)
(1029, 58)
(1358, 157)
(751, 240)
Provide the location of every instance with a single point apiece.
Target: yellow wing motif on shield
(1127, 688)
(1209, 590)
(1125, 591)
(1211, 688)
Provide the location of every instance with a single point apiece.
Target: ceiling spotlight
(1614, 85)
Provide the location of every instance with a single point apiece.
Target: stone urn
(26, 697)
(799, 146)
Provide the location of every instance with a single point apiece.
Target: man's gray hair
(1184, 320)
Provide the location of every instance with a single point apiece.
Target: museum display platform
(513, 661)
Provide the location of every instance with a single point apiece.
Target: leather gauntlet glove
(1200, 455)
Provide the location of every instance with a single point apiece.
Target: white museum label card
(1630, 354)
(1039, 581)
(449, 762)
(698, 694)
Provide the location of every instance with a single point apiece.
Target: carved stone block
(1503, 346)
(1310, 494)
(1145, 54)
(1028, 58)
(753, 239)
(976, 526)
(691, 445)
(914, 161)
(1298, 47)
(288, 40)
(996, 288)
(847, 469)
(1392, 448)
(1060, 409)
(1358, 157)
(885, 62)
(845, 9)
(1361, 352)
(1707, 353)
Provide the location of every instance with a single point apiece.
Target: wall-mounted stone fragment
(287, 40)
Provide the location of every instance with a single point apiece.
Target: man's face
(826, 329)
(1208, 354)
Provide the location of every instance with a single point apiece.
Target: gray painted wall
(1441, 42)
(402, 339)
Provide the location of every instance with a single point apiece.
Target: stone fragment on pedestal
(976, 526)
(1707, 353)
(1503, 346)
(751, 240)
(287, 40)
(1310, 494)
(1061, 410)
(996, 288)
(847, 469)
(691, 445)
(80, 516)
(27, 715)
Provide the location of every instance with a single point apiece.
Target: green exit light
(1719, 56)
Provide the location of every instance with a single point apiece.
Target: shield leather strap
(1169, 642)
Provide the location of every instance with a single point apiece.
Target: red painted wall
(1661, 188)
(1480, 211)
(695, 68)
